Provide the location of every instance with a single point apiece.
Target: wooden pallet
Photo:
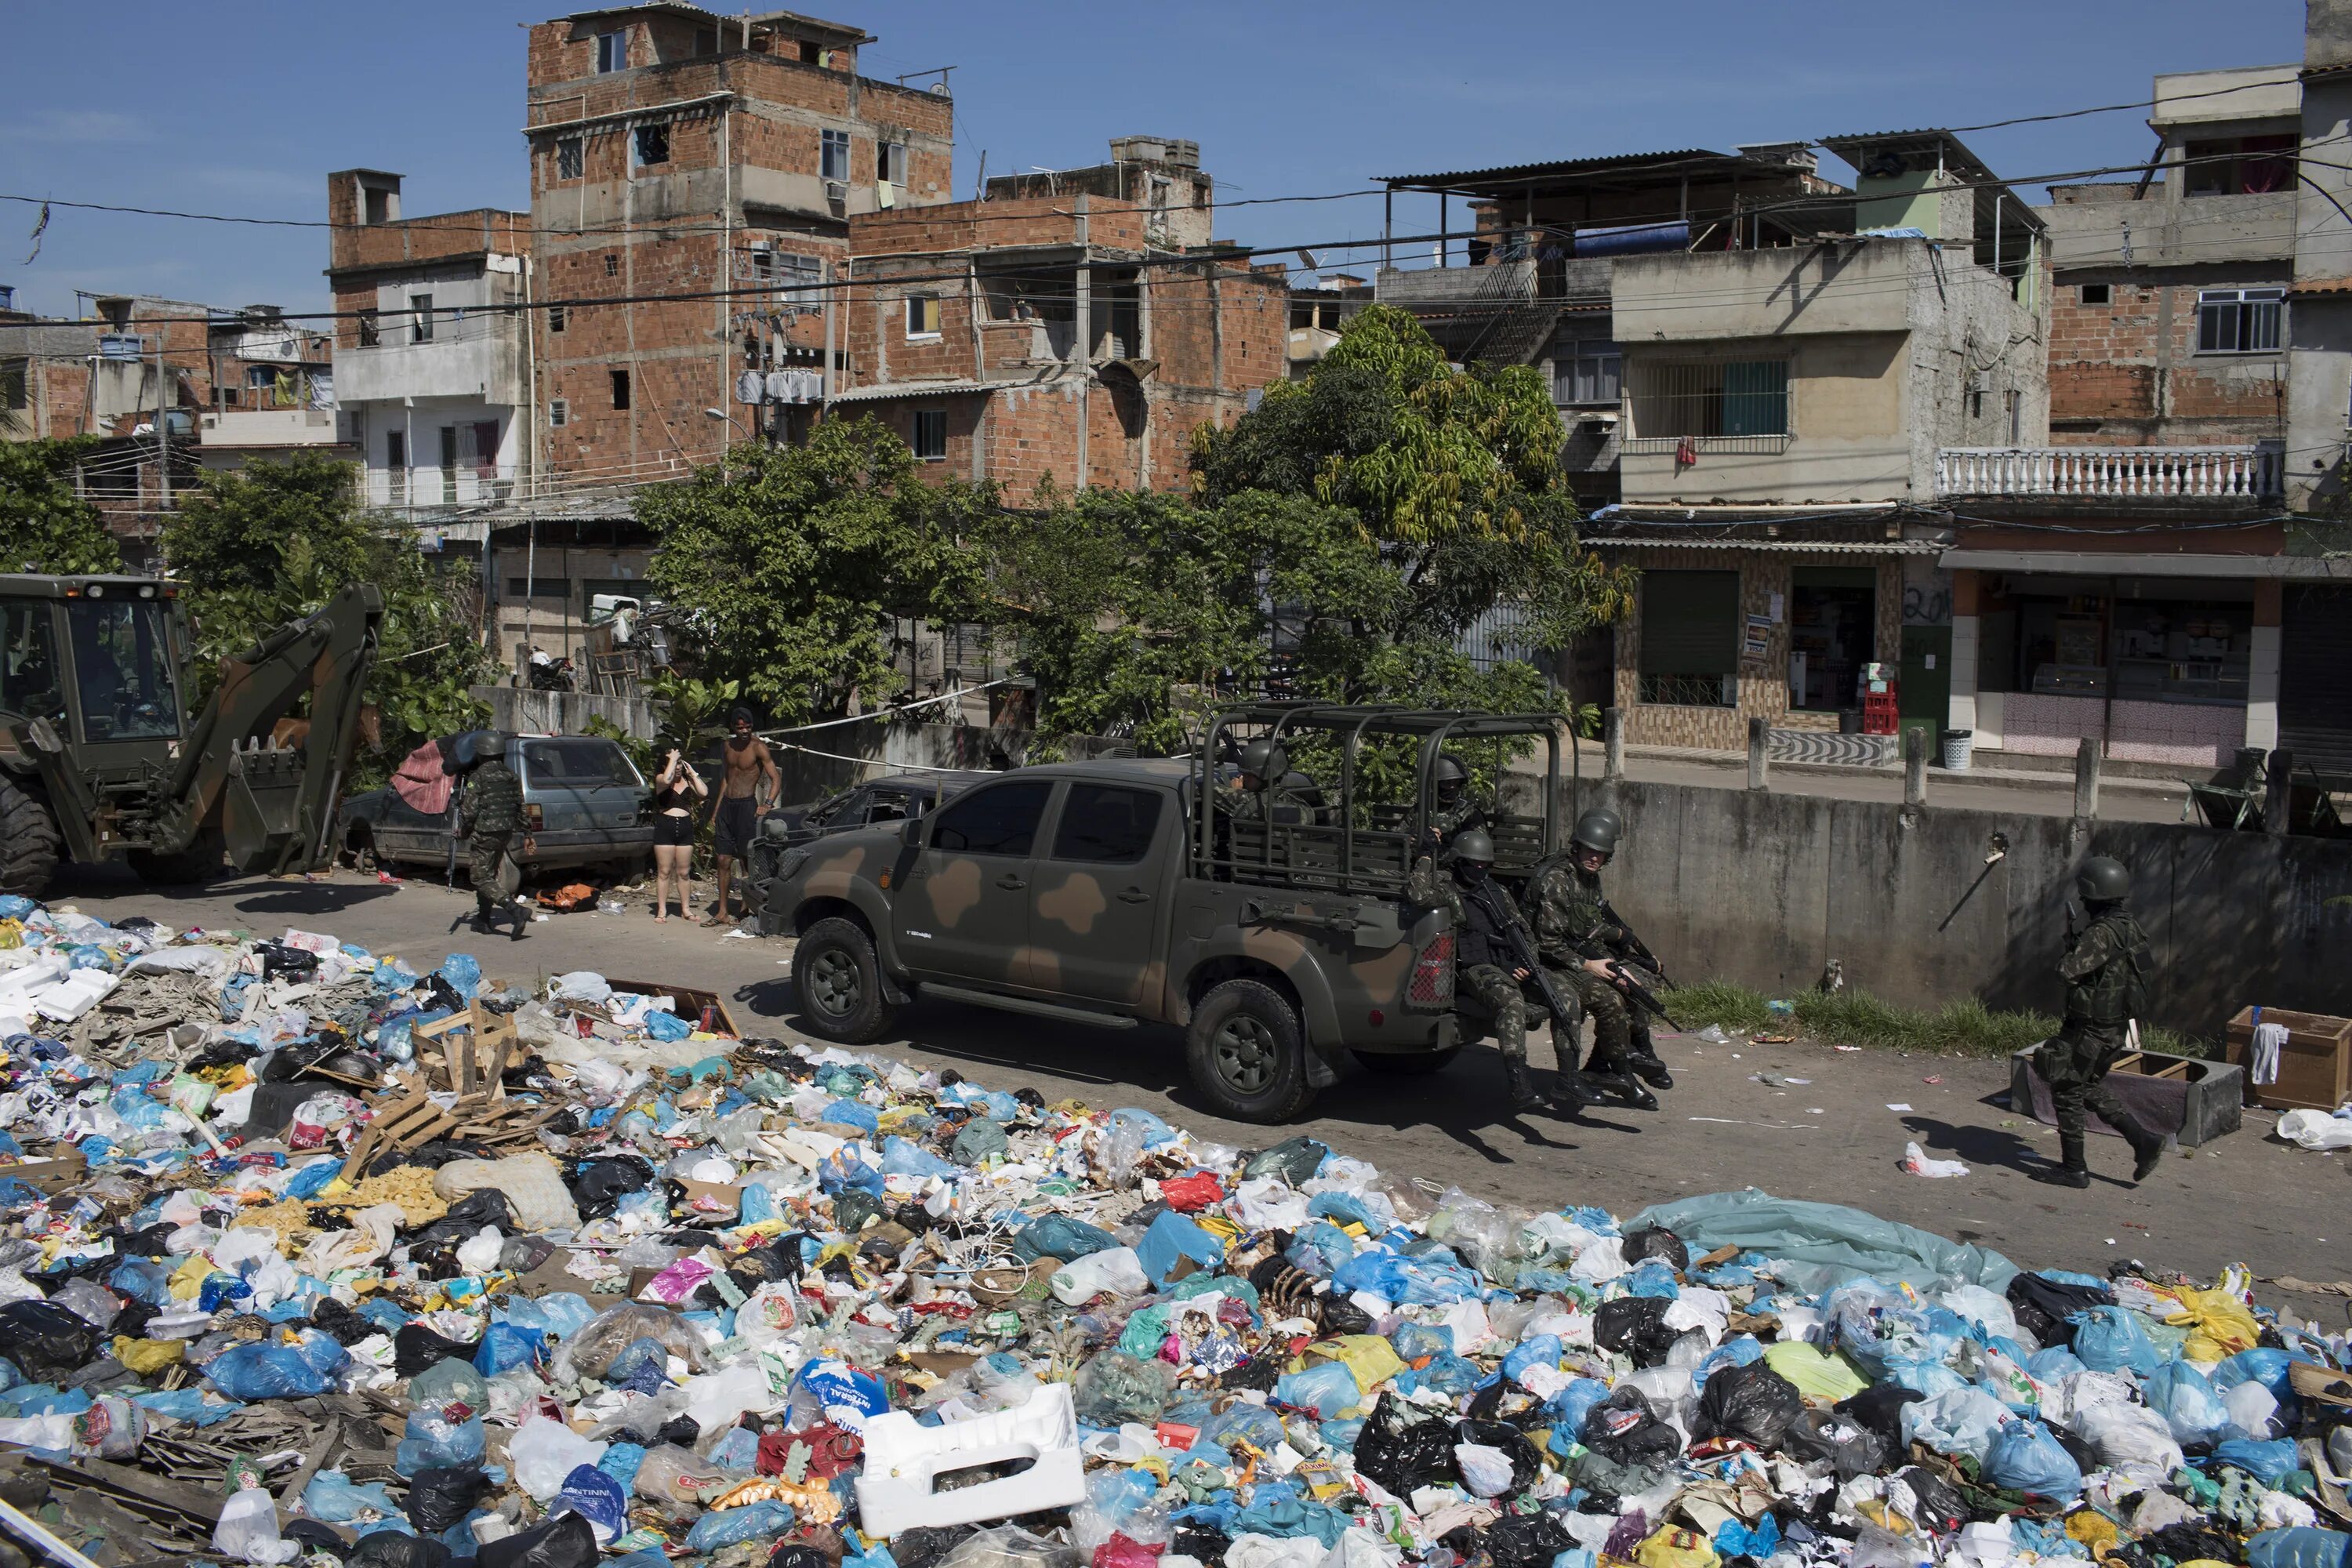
(467, 1051)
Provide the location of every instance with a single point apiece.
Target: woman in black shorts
(674, 795)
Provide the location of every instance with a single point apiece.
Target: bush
(1850, 1017)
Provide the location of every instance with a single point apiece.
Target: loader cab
(100, 659)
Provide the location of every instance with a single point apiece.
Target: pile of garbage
(311, 1254)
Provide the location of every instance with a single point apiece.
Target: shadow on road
(313, 897)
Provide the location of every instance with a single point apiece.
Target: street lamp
(722, 413)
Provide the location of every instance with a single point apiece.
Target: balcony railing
(2252, 472)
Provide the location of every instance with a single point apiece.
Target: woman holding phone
(675, 792)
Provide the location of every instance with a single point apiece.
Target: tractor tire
(199, 862)
(30, 848)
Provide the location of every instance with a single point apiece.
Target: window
(585, 763)
(1690, 639)
(612, 264)
(16, 380)
(1591, 371)
(570, 158)
(378, 204)
(395, 467)
(371, 330)
(802, 277)
(612, 52)
(553, 590)
(833, 156)
(2093, 293)
(922, 315)
(651, 143)
(122, 670)
(420, 308)
(559, 414)
(2240, 165)
(1832, 633)
(890, 163)
(558, 318)
(999, 820)
(28, 659)
(931, 434)
(620, 389)
(1106, 826)
(1710, 398)
(2238, 320)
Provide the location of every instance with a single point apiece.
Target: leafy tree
(793, 563)
(271, 542)
(1378, 512)
(43, 525)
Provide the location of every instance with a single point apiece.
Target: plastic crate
(2197, 1100)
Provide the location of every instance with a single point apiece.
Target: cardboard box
(714, 1200)
(2314, 1067)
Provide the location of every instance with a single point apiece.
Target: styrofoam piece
(903, 1460)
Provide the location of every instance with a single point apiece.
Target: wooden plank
(192, 1501)
(329, 1436)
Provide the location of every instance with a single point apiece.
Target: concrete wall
(810, 777)
(2319, 320)
(563, 712)
(1765, 889)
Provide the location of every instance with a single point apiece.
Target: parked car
(583, 803)
(894, 797)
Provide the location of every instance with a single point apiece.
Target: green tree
(272, 542)
(43, 525)
(795, 564)
(1379, 511)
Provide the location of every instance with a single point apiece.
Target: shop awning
(2119, 564)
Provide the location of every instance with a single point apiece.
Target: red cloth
(1191, 1194)
(422, 782)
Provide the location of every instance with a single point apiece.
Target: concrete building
(273, 391)
(433, 347)
(1075, 336)
(701, 172)
(1318, 309)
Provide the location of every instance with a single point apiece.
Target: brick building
(679, 153)
(1080, 334)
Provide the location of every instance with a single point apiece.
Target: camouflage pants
(1614, 1028)
(485, 850)
(2074, 1063)
(1501, 993)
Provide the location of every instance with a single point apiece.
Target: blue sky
(243, 108)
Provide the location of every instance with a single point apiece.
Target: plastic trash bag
(2130, 1439)
(1819, 1246)
(566, 1541)
(253, 1372)
(441, 1497)
(389, 1547)
(2185, 1397)
(1401, 1453)
(433, 1443)
(2024, 1458)
(333, 1496)
(754, 1521)
(1114, 1388)
(46, 1340)
(1328, 1389)
(1295, 1159)
(596, 1497)
(248, 1530)
(1059, 1235)
(1751, 1404)
(1961, 1422)
(544, 1452)
(1635, 1326)
(592, 1352)
(1623, 1429)
(2113, 1339)
(2306, 1546)
(1486, 1472)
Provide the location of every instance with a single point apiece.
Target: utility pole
(1085, 337)
(163, 441)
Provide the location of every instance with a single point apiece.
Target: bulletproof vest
(2116, 991)
(494, 799)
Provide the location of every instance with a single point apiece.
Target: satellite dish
(1308, 259)
(939, 88)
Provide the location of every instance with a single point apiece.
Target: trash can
(1958, 745)
(1849, 721)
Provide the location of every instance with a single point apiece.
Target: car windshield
(586, 764)
(825, 810)
(121, 671)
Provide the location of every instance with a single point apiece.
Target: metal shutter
(2314, 691)
(1690, 622)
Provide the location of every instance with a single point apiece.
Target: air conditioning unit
(837, 191)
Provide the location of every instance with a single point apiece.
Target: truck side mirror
(911, 833)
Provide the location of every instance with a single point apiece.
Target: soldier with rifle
(1578, 934)
(2106, 969)
(1495, 959)
(1456, 809)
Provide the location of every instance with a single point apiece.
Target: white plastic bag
(1116, 1271)
(1486, 1471)
(2315, 1129)
(545, 1451)
(2131, 1439)
(248, 1530)
(1916, 1160)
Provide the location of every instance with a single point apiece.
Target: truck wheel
(1420, 1064)
(1248, 1052)
(838, 978)
(199, 862)
(29, 846)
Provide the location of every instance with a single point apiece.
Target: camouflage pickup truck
(1276, 933)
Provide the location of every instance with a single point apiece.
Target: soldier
(1578, 934)
(494, 806)
(1250, 797)
(1485, 968)
(2106, 971)
(1454, 809)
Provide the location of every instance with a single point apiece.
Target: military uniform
(1572, 924)
(494, 803)
(2106, 971)
(1446, 821)
(1481, 959)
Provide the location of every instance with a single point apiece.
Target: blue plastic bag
(2024, 1458)
(596, 1497)
(1328, 1390)
(2185, 1398)
(506, 1346)
(1415, 1341)
(432, 1442)
(1155, 1130)
(758, 1204)
(622, 1462)
(334, 1497)
(307, 1179)
(900, 1158)
(1736, 1540)
(664, 1025)
(2266, 1365)
(143, 1279)
(2111, 1339)
(1347, 1208)
(1544, 1349)
(1059, 1235)
(2268, 1463)
(754, 1521)
(846, 1396)
(2052, 1364)
(187, 1405)
(1172, 1239)
(2301, 1546)
(464, 973)
(266, 1372)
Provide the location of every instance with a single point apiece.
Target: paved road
(1836, 1138)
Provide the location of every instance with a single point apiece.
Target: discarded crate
(2196, 1100)
(2315, 1069)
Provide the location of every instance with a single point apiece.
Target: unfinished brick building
(1079, 334)
(677, 157)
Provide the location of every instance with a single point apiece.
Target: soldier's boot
(1647, 1066)
(1569, 1093)
(521, 913)
(1524, 1096)
(2073, 1168)
(482, 918)
(2147, 1150)
(1626, 1088)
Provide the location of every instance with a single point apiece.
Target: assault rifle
(1641, 996)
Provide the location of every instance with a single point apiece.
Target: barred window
(2239, 321)
(1711, 398)
(1587, 372)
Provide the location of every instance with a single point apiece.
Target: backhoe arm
(275, 804)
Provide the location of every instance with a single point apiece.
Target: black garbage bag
(132, 1321)
(1202, 1543)
(152, 1242)
(1401, 1453)
(1295, 1159)
(1525, 1541)
(1339, 1316)
(315, 1536)
(1657, 1241)
(564, 1542)
(1624, 1428)
(1507, 1439)
(341, 1324)
(598, 1185)
(278, 959)
(415, 1347)
(1635, 1326)
(443, 1495)
(917, 1548)
(1941, 1507)
(2185, 1542)
(1750, 1404)
(434, 1155)
(1850, 1447)
(393, 1548)
(46, 1340)
(433, 1249)
(1605, 1481)
(1260, 1374)
(683, 1430)
(2043, 1305)
(1879, 1408)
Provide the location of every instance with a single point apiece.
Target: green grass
(1849, 1017)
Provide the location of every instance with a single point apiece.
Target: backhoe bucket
(259, 806)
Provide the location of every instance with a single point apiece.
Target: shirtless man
(749, 788)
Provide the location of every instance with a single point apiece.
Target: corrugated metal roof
(1631, 161)
(892, 391)
(1777, 546)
